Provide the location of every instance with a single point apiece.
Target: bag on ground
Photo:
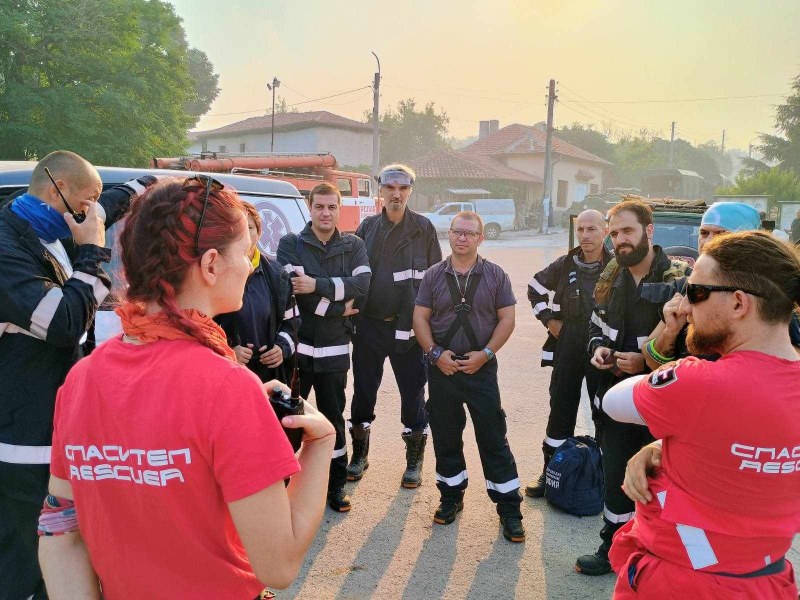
(574, 477)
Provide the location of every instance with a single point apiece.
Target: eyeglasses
(209, 183)
(696, 293)
(79, 217)
(467, 233)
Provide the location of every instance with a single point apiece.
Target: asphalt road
(388, 546)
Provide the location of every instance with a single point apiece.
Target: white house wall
(349, 147)
(565, 169)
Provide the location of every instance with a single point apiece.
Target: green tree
(109, 79)
(783, 149)
(408, 133)
(206, 83)
(589, 139)
(779, 183)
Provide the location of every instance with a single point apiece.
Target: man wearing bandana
(51, 283)
(402, 245)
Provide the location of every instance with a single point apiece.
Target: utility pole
(722, 150)
(750, 150)
(671, 144)
(275, 85)
(548, 155)
(376, 136)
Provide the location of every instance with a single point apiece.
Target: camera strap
(462, 310)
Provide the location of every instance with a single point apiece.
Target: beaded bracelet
(650, 347)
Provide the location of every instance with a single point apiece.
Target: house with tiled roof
(509, 162)
(313, 132)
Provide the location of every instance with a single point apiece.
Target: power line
(686, 99)
(291, 89)
(261, 110)
(606, 111)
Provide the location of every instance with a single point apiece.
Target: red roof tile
(301, 120)
(449, 164)
(524, 139)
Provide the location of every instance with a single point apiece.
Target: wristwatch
(434, 354)
(489, 352)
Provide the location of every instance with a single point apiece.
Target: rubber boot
(598, 563)
(536, 489)
(358, 460)
(415, 452)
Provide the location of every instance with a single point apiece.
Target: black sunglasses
(210, 184)
(696, 292)
(79, 217)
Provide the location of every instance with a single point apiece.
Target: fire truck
(304, 171)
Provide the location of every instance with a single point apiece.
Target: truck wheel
(491, 231)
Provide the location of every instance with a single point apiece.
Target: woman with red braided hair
(168, 464)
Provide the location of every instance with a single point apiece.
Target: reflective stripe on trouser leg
(447, 419)
(330, 400)
(620, 441)
(482, 397)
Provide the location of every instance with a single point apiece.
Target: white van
(497, 214)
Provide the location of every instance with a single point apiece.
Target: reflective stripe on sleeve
(454, 480)
(98, 287)
(539, 307)
(407, 274)
(24, 455)
(290, 268)
(338, 286)
(322, 307)
(538, 287)
(361, 269)
(403, 335)
(555, 307)
(547, 355)
(291, 313)
(289, 341)
(323, 352)
(44, 313)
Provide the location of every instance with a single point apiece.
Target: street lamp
(275, 85)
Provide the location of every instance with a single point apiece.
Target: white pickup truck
(497, 214)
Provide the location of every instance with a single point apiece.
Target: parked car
(497, 214)
(282, 208)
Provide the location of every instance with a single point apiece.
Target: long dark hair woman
(262, 332)
(168, 463)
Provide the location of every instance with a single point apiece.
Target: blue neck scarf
(47, 222)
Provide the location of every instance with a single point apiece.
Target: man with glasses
(621, 321)
(402, 245)
(329, 270)
(571, 280)
(718, 516)
(464, 314)
(51, 283)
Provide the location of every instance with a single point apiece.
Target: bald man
(51, 284)
(571, 280)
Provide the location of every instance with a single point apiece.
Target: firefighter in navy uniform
(329, 272)
(622, 320)
(401, 245)
(571, 278)
(51, 284)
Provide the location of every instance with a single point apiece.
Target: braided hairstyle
(158, 243)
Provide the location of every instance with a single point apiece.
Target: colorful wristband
(651, 350)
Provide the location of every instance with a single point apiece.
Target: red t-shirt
(728, 494)
(155, 440)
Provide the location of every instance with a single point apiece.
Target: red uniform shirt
(728, 495)
(155, 440)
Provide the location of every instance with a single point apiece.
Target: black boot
(415, 453)
(597, 563)
(358, 460)
(536, 489)
(513, 530)
(338, 500)
(449, 507)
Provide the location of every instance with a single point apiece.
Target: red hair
(158, 243)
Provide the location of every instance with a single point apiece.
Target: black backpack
(574, 477)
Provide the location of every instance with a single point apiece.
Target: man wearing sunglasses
(571, 280)
(717, 517)
(51, 284)
(621, 321)
(402, 245)
(464, 314)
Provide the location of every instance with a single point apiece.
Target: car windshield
(672, 233)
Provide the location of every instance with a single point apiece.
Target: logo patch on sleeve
(663, 377)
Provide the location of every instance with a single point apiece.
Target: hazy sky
(482, 59)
